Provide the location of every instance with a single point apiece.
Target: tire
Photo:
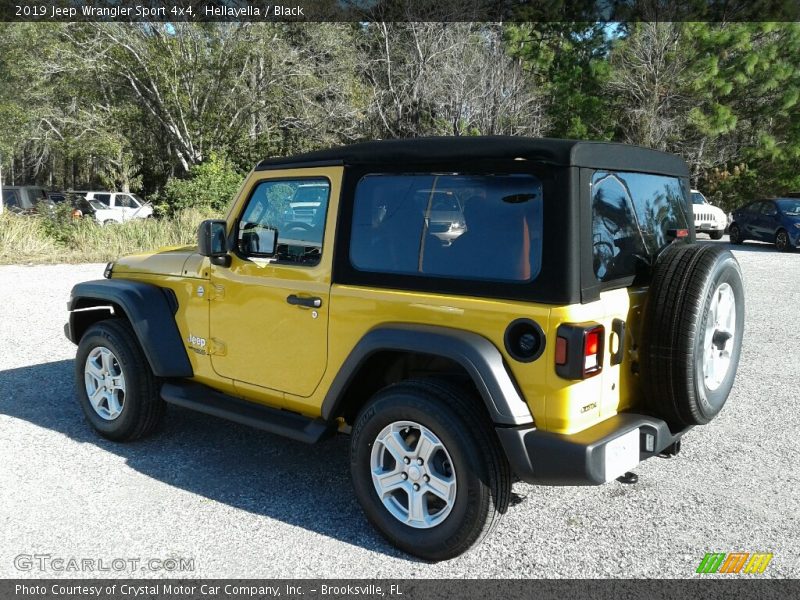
(692, 334)
(735, 235)
(715, 235)
(479, 476)
(123, 413)
(782, 242)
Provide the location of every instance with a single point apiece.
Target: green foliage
(209, 185)
(569, 62)
(154, 107)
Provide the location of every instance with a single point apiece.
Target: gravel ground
(244, 503)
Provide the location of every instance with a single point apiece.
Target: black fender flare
(477, 355)
(150, 311)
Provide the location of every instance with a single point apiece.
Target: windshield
(789, 206)
(698, 198)
(97, 205)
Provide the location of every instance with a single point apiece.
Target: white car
(707, 217)
(120, 207)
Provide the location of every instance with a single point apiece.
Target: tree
(722, 95)
(446, 78)
(568, 63)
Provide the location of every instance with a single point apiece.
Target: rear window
(632, 214)
(483, 227)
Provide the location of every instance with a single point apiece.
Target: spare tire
(692, 333)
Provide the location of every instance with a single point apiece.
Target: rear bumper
(590, 457)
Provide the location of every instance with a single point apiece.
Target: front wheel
(782, 241)
(427, 468)
(715, 235)
(114, 383)
(735, 235)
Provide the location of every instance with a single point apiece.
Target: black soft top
(460, 150)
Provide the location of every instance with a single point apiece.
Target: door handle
(295, 300)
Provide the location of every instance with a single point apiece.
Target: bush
(24, 239)
(210, 185)
(50, 238)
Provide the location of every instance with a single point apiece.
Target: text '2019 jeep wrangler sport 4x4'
(469, 309)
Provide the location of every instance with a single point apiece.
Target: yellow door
(269, 308)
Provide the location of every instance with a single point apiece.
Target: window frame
(591, 285)
(610, 176)
(233, 239)
(558, 281)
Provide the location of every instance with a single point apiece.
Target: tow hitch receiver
(671, 451)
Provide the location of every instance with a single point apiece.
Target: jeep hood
(166, 261)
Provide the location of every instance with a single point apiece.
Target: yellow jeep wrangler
(469, 310)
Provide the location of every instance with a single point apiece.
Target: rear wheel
(735, 235)
(114, 383)
(427, 468)
(715, 235)
(782, 241)
(692, 333)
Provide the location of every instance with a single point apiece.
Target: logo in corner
(735, 562)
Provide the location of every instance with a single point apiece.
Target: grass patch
(56, 238)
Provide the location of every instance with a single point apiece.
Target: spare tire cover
(692, 333)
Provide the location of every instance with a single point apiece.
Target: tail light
(579, 350)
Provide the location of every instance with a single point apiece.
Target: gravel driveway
(244, 503)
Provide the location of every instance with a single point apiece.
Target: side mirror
(211, 242)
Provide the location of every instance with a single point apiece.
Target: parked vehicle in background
(22, 199)
(83, 208)
(304, 204)
(56, 197)
(707, 217)
(121, 206)
(775, 220)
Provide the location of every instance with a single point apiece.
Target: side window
(645, 207)
(483, 227)
(768, 209)
(122, 201)
(104, 198)
(615, 240)
(292, 210)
